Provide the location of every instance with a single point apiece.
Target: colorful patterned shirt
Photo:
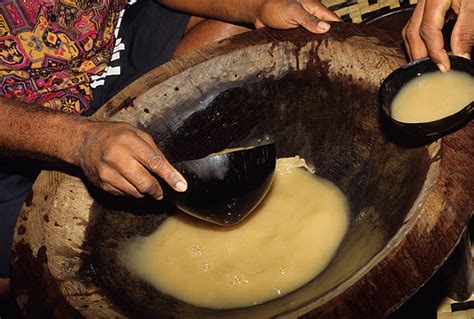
(50, 49)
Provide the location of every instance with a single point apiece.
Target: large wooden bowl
(313, 95)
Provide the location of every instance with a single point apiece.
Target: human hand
(287, 14)
(120, 158)
(423, 32)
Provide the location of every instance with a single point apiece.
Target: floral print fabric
(50, 49)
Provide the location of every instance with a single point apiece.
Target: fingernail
(442, 68)
(323, 25)
(181, 187)
(466, 56)
(159, 197)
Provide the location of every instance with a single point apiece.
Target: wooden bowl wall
(313, 95)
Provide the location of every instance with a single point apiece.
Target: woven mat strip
(356, 10)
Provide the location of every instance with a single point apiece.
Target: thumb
(310, 22)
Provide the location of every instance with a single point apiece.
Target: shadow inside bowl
(333, 124)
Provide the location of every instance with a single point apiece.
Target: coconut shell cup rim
(244, 196)
(244, 149)
(395, 81)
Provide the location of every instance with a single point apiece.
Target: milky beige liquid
(433, 96)
(288, 240)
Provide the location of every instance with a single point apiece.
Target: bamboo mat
(358, 10)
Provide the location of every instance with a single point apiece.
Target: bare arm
(279, 14)
(38, 133)
(114, 156)
(227, 10)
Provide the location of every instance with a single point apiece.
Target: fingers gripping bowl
(392, 87)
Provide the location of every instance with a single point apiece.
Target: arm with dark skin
(118, 157)
(278, 14)
(114, 156)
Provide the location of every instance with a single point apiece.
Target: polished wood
(410, 204)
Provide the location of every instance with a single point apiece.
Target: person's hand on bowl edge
(286, 14)
(278, 14)
(423, 32)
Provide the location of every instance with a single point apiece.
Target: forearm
(38, 133)
(239, 11)
(115, 156)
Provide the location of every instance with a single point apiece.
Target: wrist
(38, 133)
(73, 145)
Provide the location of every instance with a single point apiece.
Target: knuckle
(294, 9)
(142, 154)
(129, 191)
(113, 154)
(146, 185)
(427, 31)
(122, 125)
(107, 157)
(156, 162)
(106, 187)
(136, 194)
(411, 33)
(109, 154)
(295, 5)
(465, 37)
(124, 137)
(103, 174)
(144, 134)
